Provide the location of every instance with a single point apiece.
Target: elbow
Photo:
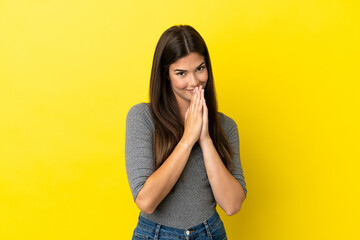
(235, 208)
(147, 210)
(144, 205)
(232, 211)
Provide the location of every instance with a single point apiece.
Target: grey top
(190, 201)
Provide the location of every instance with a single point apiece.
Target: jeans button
(187, 232)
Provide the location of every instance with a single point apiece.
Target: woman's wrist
(205, 140)
(186, 142)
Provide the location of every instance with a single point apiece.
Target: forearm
(227, 191)
(159, 184)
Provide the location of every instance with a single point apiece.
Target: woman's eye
(181, 74)
(200, 68)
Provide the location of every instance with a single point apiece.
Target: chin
(186, 98)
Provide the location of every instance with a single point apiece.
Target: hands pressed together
(196, 118)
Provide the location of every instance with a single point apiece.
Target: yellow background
(286, 71)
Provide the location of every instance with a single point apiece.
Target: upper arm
(138, 147)
(232, 134)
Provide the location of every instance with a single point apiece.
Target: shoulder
(227, 123)
(140, 108)
(140, 112)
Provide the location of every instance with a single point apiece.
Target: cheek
(204, 77)
(178, 83)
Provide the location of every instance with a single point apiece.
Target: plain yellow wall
(286, 71)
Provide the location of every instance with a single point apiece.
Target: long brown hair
(175, 43)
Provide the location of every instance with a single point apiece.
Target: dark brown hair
(175, 43)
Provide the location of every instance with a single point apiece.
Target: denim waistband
(208, 223)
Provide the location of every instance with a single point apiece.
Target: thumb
(186, 113)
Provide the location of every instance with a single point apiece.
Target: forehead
(189, 61)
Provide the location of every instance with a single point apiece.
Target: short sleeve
(231, 131)
(138, 147)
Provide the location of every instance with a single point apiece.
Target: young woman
(182, 155)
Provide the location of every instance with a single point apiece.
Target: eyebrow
(186, 70)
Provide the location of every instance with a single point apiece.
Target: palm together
(196, 118)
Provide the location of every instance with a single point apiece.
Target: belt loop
(156, 237)
(208, 230)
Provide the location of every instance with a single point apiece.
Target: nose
(193, 81)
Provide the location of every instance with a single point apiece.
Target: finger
(204, 112)
(187, 111)
(199, 106)
(193, 100)
(200, 91)
(205, 109)
(197, 99)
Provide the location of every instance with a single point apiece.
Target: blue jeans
(210, 229)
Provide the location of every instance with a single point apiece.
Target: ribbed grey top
(190, 201)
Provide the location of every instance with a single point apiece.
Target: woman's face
(186, 74)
